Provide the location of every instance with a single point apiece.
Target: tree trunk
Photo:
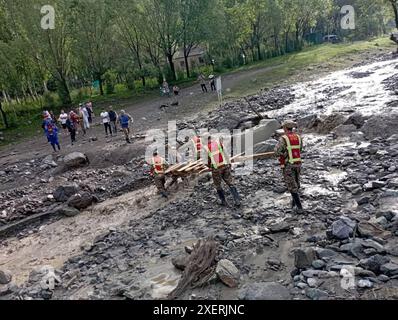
(3, 114)
(63, 92)
(5, 96)
(172, 68)
(101, 85)
(394, 4)
(259, 51)
(45, 88)
(186, 55)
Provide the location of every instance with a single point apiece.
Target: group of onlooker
(70, 122)
(111, 119)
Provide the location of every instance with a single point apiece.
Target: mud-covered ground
(344, 247)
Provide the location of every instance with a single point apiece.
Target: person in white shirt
(62, 119)
(107, 122)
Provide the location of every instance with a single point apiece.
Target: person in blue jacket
(125, 120)
(51, 131)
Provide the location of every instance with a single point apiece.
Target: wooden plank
(255, 157)
(175, 167)
(189, 165)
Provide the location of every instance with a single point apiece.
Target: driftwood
(200, 268)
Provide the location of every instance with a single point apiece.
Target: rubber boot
(236, 196)
(221, 194)
(297, 201)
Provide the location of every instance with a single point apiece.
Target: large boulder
(304, 258)
(228, 273)
(381, 126)
(5, 276)
(265, 146)
(63, 193)
(76, 159)
(81, 200)
(308, 122)
(264, 291)
(356, 119)
(343, 228)
(344, 130)
(330, 122)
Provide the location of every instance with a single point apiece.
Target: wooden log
(175, 167)
(255, 157)
(189, 165)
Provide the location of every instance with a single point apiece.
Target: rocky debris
(180, 262)
(344, 130)
(316, 294)
(304, 258)
(81, 200)
(382, 126)
(343, 228)
(63, 193)
(264, 291)
(228, 273)
(389, 269)
(364, 283)
(68, 211)
(374, 263)
(5, 276)
(328, 123)
(75, 160)
(356, 119)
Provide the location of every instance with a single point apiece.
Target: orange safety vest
(216, 154)
(293, 146)
(197, 142)
(158, 165)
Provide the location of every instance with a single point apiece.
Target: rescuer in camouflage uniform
(220, 170)
(289, 151)
(158, 170)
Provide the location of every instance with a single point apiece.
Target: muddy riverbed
(344, 247)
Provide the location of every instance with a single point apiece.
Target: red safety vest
(158, 165)
(293, 146)
(197, 142)
(216, 154)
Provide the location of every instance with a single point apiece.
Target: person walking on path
(212, 82)
(71, 128)
(202, 81)
(83, 114)
(51, 131)
(125, 120)
(113, 116)
(106, 121)
(62, 119)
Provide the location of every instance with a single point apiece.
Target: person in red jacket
(289, 151)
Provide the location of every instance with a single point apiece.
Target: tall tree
(163, 19)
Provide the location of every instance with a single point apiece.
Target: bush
(110, 79)
(49, 100)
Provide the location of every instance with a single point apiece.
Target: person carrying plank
(158, 171)
(220, 169)
(289, 151)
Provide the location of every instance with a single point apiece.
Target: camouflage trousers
(291, 175)
(222, 174)
(160, 182)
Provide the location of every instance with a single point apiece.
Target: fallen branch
(200, 268)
